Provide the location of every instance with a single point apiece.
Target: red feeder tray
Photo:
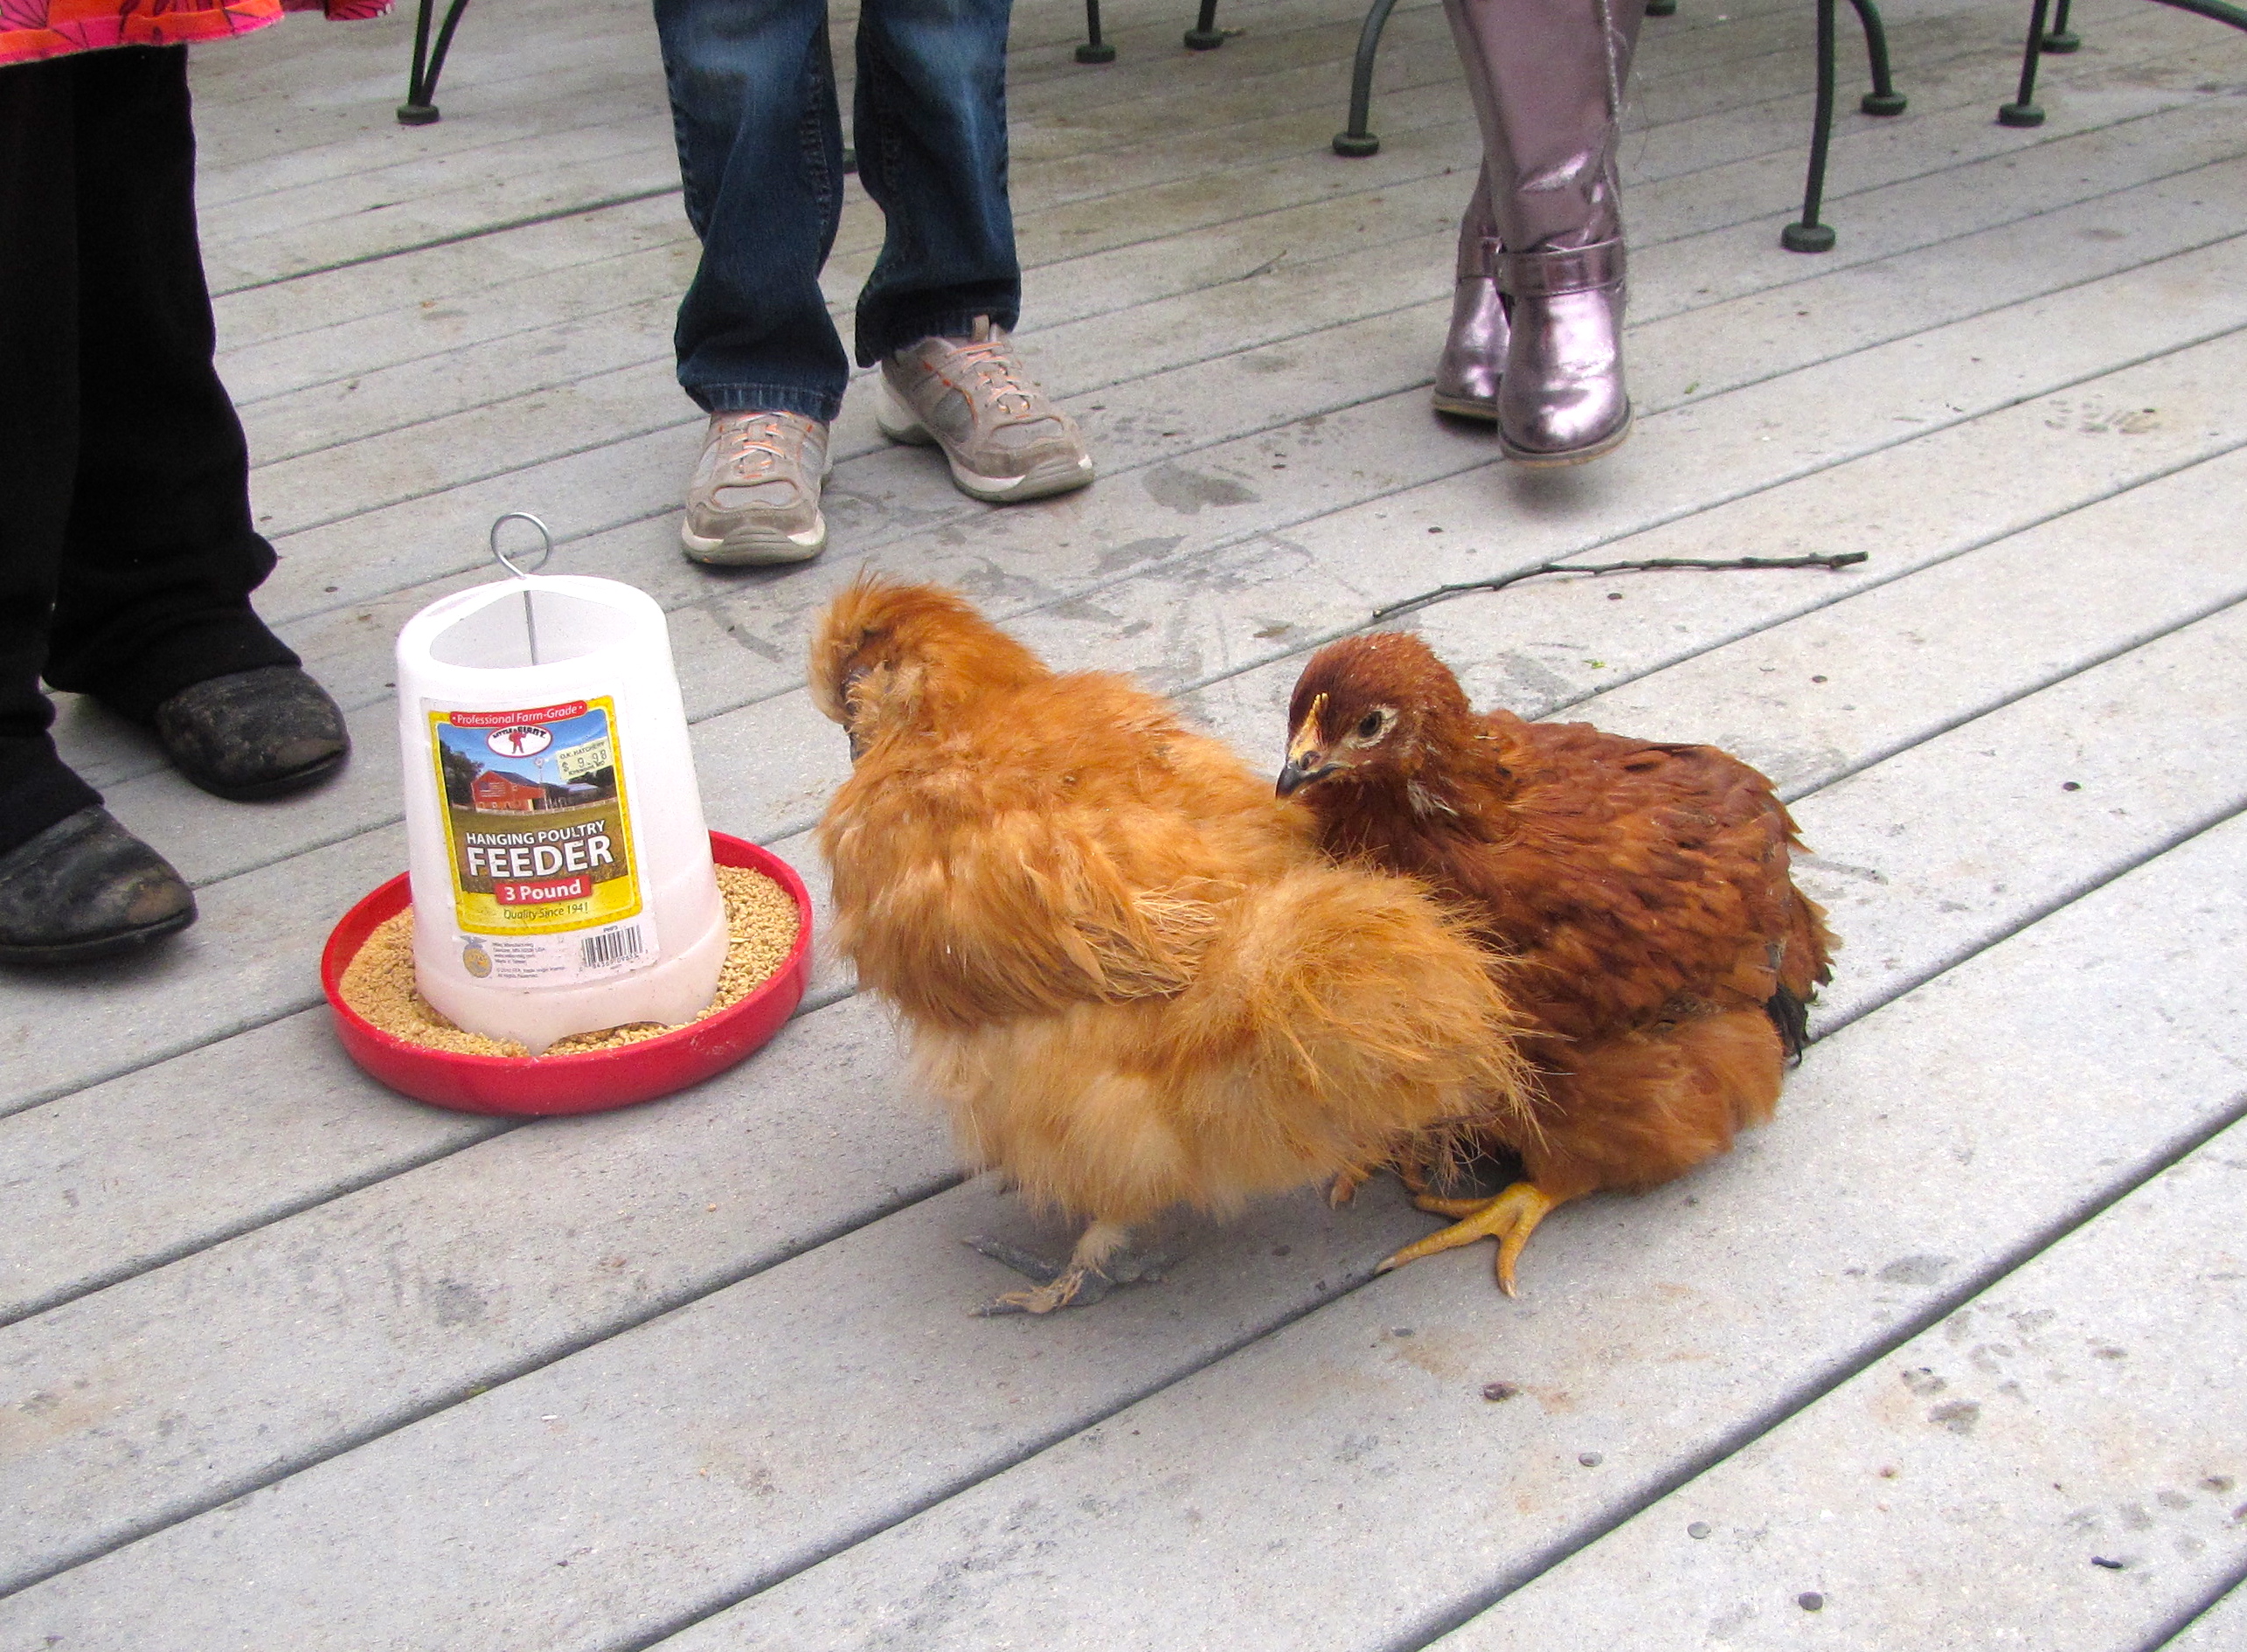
(593, 1080)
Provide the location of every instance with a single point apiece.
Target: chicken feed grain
(760, 917)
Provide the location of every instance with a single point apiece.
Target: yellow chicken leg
(1097, 1266)
(1409, 1171)
(1509, 1218)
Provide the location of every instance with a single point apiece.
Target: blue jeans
(752, 85)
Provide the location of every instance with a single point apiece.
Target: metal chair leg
(1205, 36)
(2022, 111)
(1809, 235)
(1358, 140)
(2219, 10)
(1883, 99)
(1094, 50)
(420, 106)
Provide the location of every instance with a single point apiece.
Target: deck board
(277, 1349)
(1917, 1503)
(2222, 1626)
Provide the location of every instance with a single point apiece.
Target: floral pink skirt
(30, 30)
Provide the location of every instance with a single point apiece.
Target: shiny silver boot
(1474, 348)
(1547, 79)
(1473, 360)
(1562, 400)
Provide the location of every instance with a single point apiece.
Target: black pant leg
(38, 428)
(159, 555)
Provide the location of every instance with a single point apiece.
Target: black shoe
(87, 888)
(253, 734)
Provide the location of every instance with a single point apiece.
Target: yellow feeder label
(539, 824)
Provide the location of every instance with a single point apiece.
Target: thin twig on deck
(1650, 564)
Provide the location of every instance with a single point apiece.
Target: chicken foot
(1509, 1218)
(1344, 1188)
(1100, 1261)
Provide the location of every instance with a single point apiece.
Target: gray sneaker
(754, 496)
(1003, 436)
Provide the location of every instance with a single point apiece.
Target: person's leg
(39, 425)
(1547, 77)
(152, 614)
(760, 155)
(73, 883)
(931, 133)
(931, 128)
(752, 86)
(159, 555)
(1474, 345)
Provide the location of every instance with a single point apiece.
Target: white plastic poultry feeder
(561, 870)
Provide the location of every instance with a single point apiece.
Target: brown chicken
(1639, 895)
(1129, 972)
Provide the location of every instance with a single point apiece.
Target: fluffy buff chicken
(1659, 946)
(1128, 971)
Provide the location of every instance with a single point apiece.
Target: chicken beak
(1300, 771)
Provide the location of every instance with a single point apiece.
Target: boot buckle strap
(1549, 275)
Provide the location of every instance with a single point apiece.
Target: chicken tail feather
(1364, 1016)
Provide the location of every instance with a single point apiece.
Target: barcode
(608, 946)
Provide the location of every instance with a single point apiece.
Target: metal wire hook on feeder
(546, 553)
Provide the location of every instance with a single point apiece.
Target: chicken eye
(1370, 726)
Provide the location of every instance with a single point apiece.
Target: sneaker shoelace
(993, 380)
(753, 448)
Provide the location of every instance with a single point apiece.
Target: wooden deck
(1945, 1357)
